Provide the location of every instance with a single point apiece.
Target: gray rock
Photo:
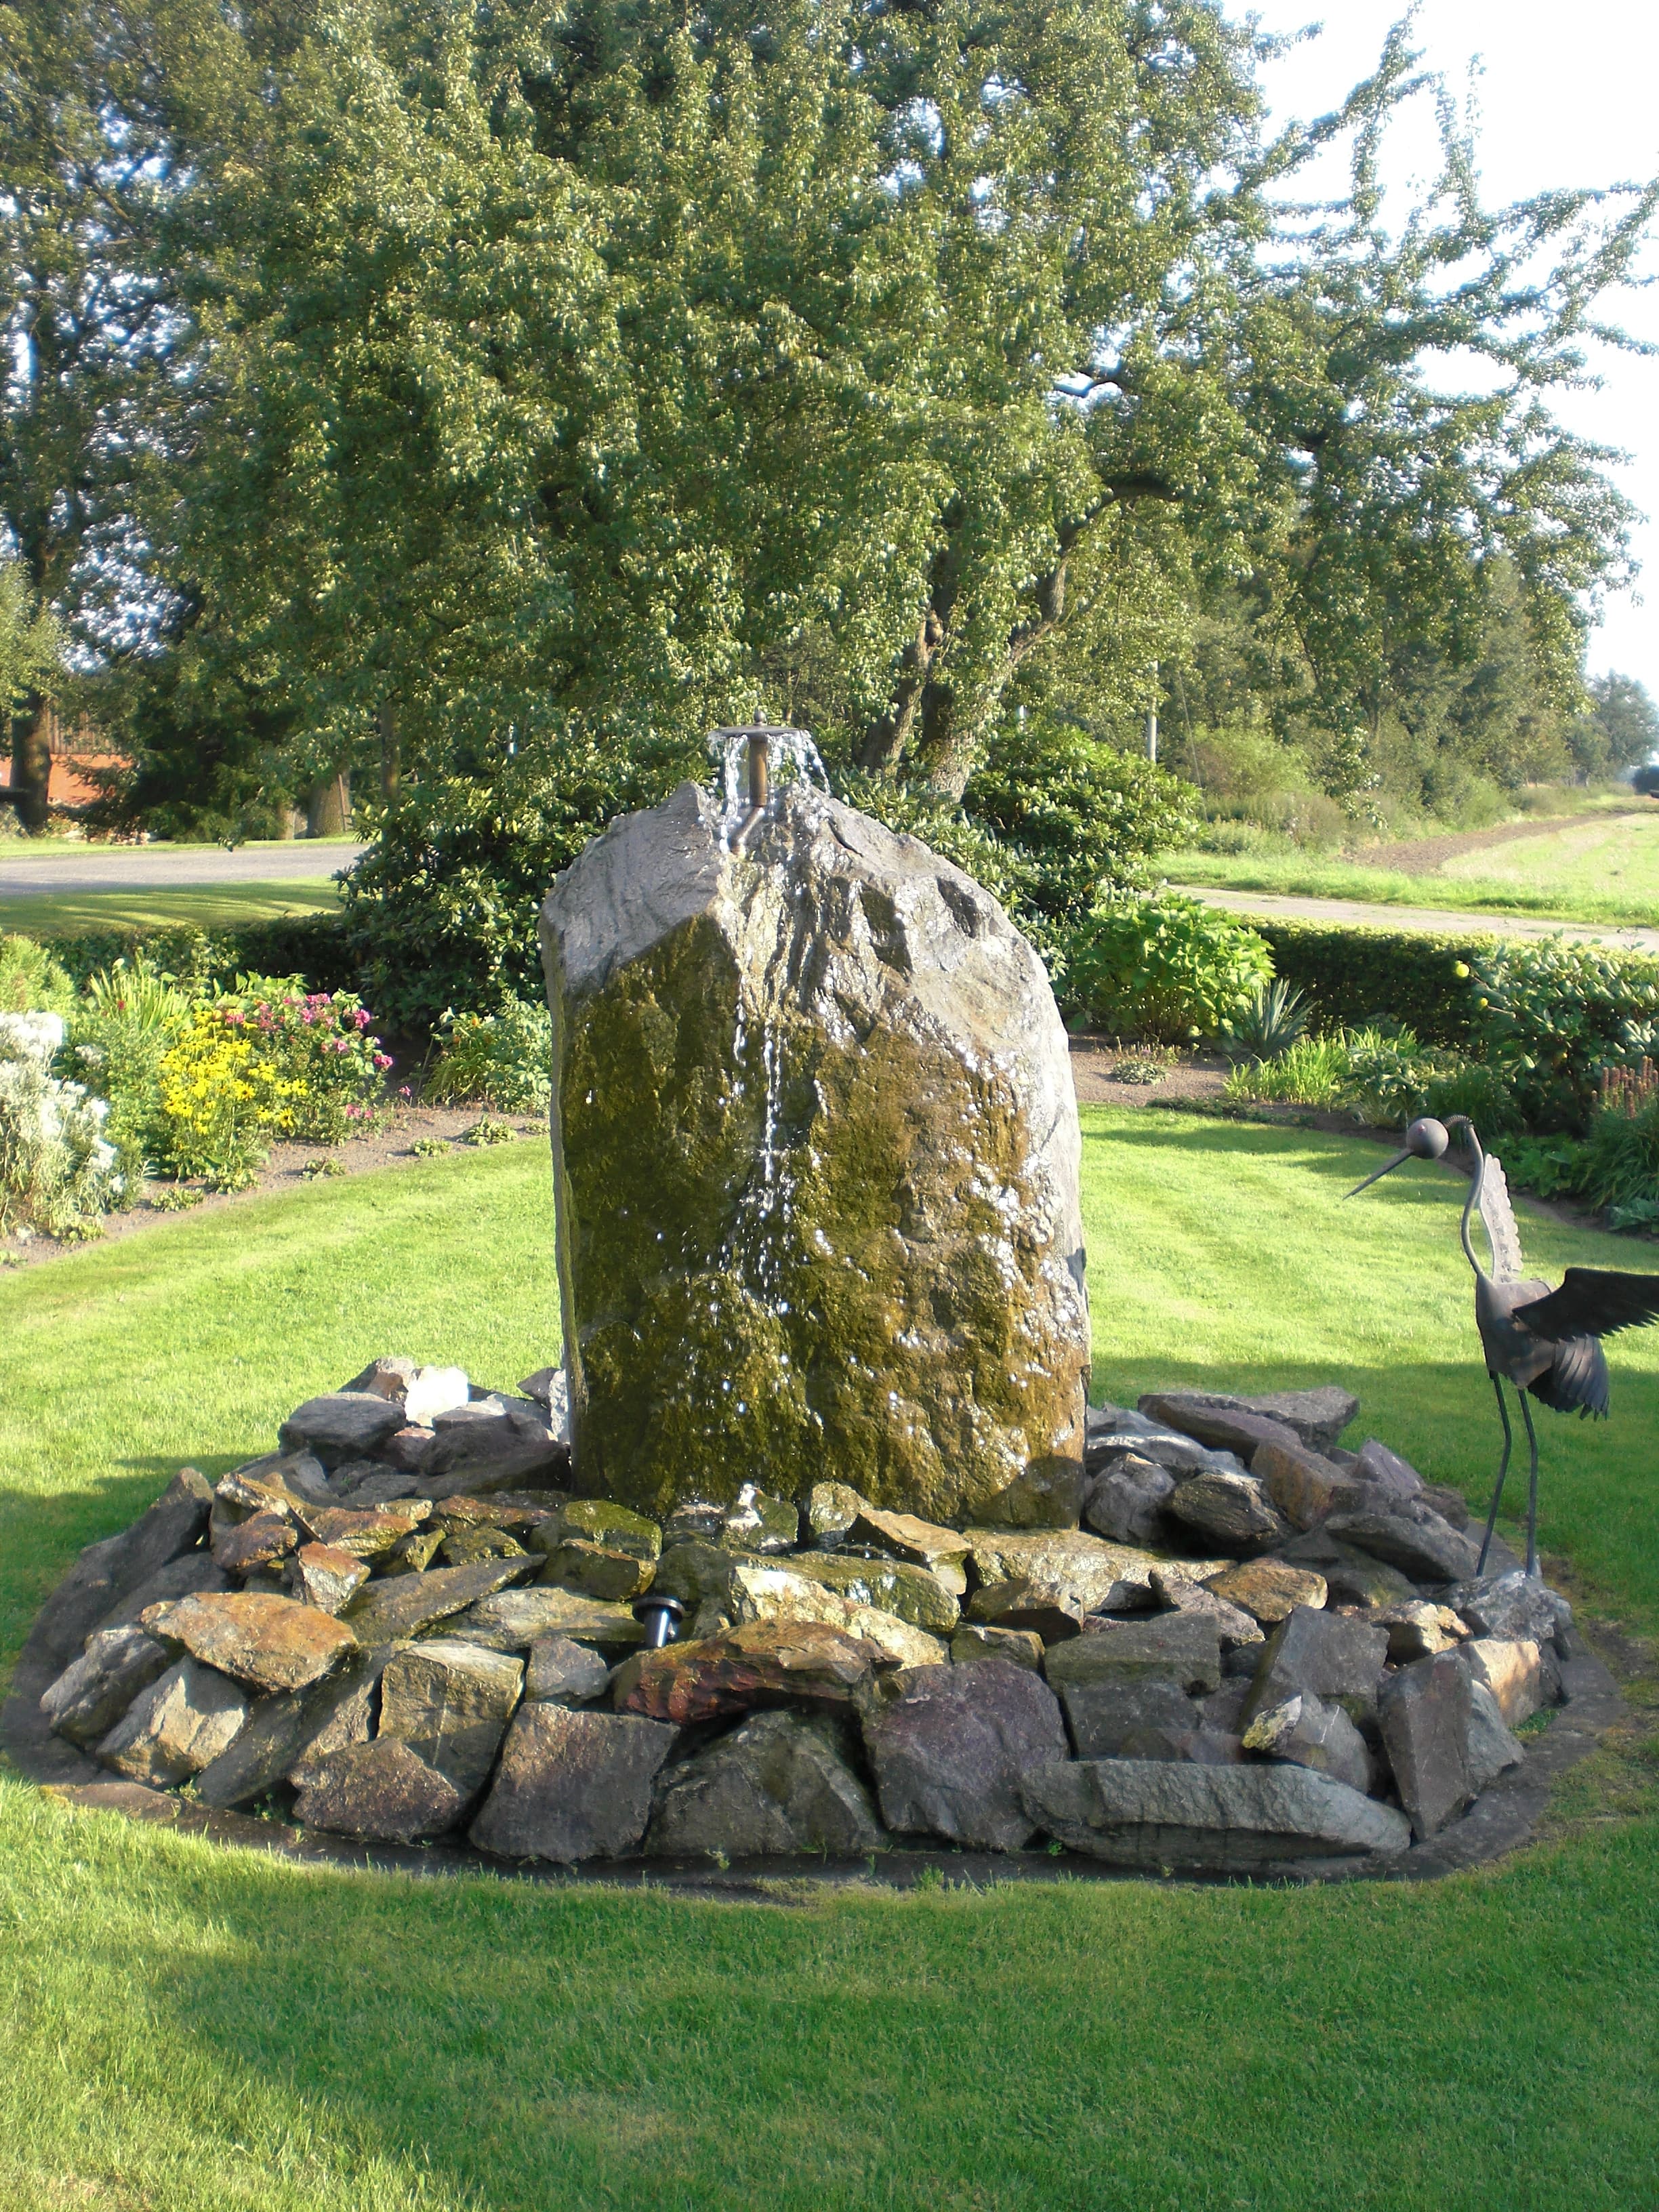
(1306, 1731)
(1383, 1469)
(263, 1750)
(325, 1576)
(1103, 1716)
(340, 1711)
(914, 1062)
(942, 1552)
(379, 1792)
(489, 1446)
(1210, 1818)
(1020, 1647)
(1318, 1416)
(386, 1378)
(948, 1746)
(1331, 1655)
(277, 1480)
(1223, 1424)
(341, 1426)
(183, 1720)
(95, 1690)
(1351, 1576)
(1424, 1713)
(385, 1485)
(1410, 1537)
(909, 1593)
(107, 1571)
(571, 1785)
(451, 1702)
(1230, 1512)
(1092, 1568)
(1450, 1505)
(831, 1509)
(756, 1522)
(1510, 1605)
(1186, 1647)
(1417, 1630)
(560, 1672)
(513, 1619)
(1493, 1748)
(778, 1783)
(1126, 1499)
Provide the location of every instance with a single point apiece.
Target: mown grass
(189, 2027)
(1599, 872)
(208, 905)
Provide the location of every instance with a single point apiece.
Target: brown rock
(1230, 1513)
(1018, 1646)
(341, 1710)
(1127, 1498)
(1351, 1578)
(278, 1482)
(1093, 1568)
(255, 1542)
(1047, 1610)
(571, 1785)
(519, 1511)
(367, 1532)
(462, 1548)
(1233, 1624)
(1512, 1669)
(413, 1555)
(107, 1571)
(595, 1570)
(949, 1748)
(184, 1719)
(95, 1690)
(942, 1552)
(513, 1620)
(407, 1605)
(322, 1576)
(1304, 1485)
(451, 1702)
(763, 1662)
(381, 1792)
(271, 1642)
(192, 1574)
(894, 1586)
(1268, 1589)
(775, 1593)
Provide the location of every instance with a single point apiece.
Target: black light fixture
(661, 1615)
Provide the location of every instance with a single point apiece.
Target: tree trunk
(31, 762)
(391, 767)
(328, 807)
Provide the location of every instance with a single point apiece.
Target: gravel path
(176, 868)
(1442, 920)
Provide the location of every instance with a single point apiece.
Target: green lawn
(186, 2027)
(208, 905)
(1599, 870)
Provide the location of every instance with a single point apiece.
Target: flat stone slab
(1148, 1812)
(272, 1643)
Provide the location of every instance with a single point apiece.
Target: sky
(1562, 97)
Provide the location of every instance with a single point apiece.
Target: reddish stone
(367, 1532)
(763, 1662)
(254, 1543)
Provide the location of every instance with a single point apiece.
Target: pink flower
(404, 1091)
(362, 1017)
(383, 1060)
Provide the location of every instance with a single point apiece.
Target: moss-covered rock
(815, 1152)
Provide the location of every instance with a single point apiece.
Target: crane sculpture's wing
(1498, 1215)
(1592, 1302)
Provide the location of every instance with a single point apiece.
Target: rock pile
(1261, 1649)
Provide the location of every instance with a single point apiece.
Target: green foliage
(1163, 968)
(505, 1059)
(327, 1071)
(1553, 1014)
(1352, 977)
(1310, 1072)
(120, 1031)
(1618, 728)
(31, 980)
(441, 912)
(1270, 1021)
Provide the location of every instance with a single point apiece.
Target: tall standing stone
(815, 1158)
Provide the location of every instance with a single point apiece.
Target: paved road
(1442, 921)
(174, 867)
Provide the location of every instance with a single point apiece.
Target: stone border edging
(1501, 1821)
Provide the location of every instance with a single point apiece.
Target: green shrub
(1164, 968)
(58, 1170)
(1353, 976)
(318, 1072)
(504, 1059)
(1555, 1014)
(1270, 1021)
(31, 981)
(119, 1032)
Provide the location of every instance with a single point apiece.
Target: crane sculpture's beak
(1387, 1168)
(1425, 1140)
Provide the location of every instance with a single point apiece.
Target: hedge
(311, 945)
(1352, 975)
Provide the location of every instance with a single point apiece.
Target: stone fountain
(815, 1150)
(826, 1341)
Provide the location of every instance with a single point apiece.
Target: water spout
(764, 747)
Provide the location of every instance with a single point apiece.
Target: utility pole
(1152, 720)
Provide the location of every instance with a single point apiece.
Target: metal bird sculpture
(1542, 1341)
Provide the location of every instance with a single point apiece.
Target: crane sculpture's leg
(1532, 1489)
(1503, 1471)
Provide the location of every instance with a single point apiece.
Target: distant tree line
(496, 398)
